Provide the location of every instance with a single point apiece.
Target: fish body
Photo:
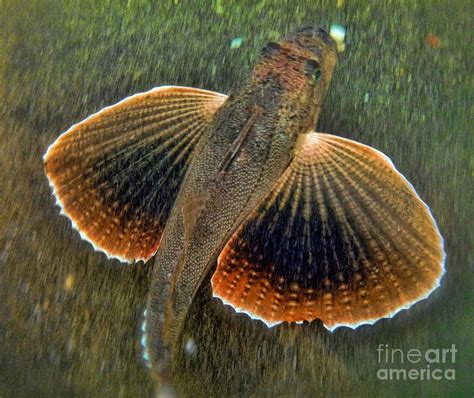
(246, 148)
(296, 225)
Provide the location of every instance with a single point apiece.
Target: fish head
(301, 66)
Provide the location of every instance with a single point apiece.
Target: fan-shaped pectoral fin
(343, 237)
(117, 173)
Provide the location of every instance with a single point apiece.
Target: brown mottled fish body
(257, 128)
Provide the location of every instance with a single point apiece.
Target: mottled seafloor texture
(69, 319)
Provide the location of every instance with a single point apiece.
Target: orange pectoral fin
(343, 237)
(117, 173)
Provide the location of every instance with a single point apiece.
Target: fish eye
(270, 49)
(317, 74)
(312, 68)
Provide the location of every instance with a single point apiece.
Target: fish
(294, 225)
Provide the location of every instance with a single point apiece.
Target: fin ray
(376, 206)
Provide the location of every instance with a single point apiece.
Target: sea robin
(296, 225)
